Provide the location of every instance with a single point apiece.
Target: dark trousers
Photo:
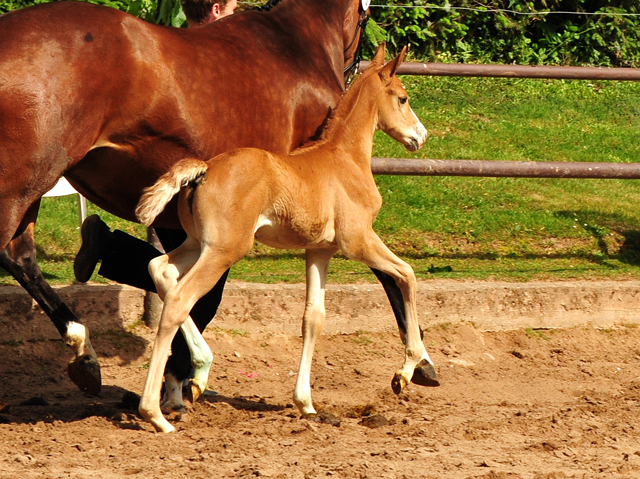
(126, 261)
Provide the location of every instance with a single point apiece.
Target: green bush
(145, 9)
(450, 35)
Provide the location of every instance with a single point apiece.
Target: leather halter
(351, 69)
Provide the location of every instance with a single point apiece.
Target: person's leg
(125, 258)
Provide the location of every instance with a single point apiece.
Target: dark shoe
(95, 235)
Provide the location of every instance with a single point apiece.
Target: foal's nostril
(414, 144)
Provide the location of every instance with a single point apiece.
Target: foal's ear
(390, 68)
(378, 57)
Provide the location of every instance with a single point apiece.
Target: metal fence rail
(512, 169)
(515, 71)
(494, 168)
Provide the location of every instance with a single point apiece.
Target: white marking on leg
(201, 356)
(314, 314)
(425, 355)
(77, 338)
(149, 406)
(165, 275)
(177, 303)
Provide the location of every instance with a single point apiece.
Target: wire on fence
(486, 10)
(448, 8)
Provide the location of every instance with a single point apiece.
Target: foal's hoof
(424, 374)
(84, 371)
(398, 383)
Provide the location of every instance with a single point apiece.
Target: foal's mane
(339, 113)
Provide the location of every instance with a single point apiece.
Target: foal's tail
(156, 197)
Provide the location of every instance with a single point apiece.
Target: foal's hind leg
(370, 250)
(177, 303)
(165, 271)
(19, 259)
(317, 263)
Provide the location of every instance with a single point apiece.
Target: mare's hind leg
(317, 263)
(424, 374)
(19, 259)
(369, 249)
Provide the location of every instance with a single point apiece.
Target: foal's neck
(356, 120)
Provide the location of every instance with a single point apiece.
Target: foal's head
(395, 117)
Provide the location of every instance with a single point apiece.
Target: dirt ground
(521, 404)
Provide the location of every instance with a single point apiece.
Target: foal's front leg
(317, 263)
(424, 374)
(370, 250)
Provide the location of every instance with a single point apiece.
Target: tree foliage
(145, 9)
(478, 35)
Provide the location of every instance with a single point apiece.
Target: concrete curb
(251, 307)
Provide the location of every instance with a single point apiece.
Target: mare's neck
(320, 25)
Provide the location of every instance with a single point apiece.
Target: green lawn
(473, 228)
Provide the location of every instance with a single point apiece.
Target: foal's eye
(403, 100)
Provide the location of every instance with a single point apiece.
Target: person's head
(202, 12)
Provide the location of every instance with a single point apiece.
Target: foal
(321, 198)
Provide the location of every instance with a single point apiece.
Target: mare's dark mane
(269, 5)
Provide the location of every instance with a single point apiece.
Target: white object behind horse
(64, 188)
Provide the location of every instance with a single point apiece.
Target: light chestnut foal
(321, 198)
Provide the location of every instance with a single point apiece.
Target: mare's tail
(156, 197)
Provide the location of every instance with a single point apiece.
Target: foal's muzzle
(417, 138)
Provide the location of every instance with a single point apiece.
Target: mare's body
(322, 198)
(111, 103)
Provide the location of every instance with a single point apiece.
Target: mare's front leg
(370, 249)
(317, 263)
(19, 259)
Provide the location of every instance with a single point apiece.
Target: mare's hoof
(424, 374)
(84, 371)
(169, 409)
(398, 383)
(193, 392)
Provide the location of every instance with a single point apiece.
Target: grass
(514, 229)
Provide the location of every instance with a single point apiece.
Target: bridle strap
(351, 69)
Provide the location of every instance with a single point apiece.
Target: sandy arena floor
(520, 404)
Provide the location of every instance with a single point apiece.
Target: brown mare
(111, 102)
(321, 197)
